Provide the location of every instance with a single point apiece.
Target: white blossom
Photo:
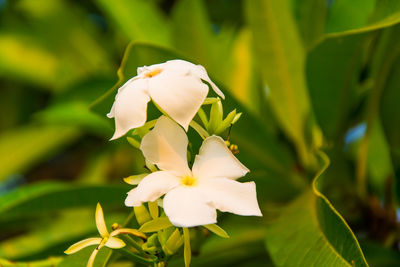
(192, 196)
(175, 86)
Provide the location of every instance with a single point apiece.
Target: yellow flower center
(188, 180)
(153, 73)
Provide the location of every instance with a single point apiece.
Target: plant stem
(200, 130)
(134, 257)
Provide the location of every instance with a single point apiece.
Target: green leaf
(310, 232)
(311, 16)
(155, 225)
(32, 63)
(81, 257)
(139, 20)
(44, 197)
(52, 261)
(361, 16)
(333, 68)
(23, 147)
(187, 251)
(281, 60)
(217, 230)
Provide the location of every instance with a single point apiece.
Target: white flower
(192, 196)
(175, 86)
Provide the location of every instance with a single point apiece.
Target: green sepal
(217, 230)
(135, 179)
(210, 100)
(142, 215)
(174, 242)
(226, 123)
(153, 208)
(216, 114)
(155, 225)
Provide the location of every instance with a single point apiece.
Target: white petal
(151, 188)
(231, 196)
(82, 244)
(100, 223)
(166, 147)
(114, 242)
(185, 67)
(180, 96)
(187, 207)
(201, 72)
(130, 107)
(216, 160)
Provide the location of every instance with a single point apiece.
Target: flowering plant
(191, 196)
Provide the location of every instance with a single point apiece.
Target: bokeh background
(308, 75)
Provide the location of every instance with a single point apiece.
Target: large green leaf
(20, 148)
(310, 232)
(280, 56)
(333, 68)
(45, 197)
(347, 17)
(311, 16)
(139, 20)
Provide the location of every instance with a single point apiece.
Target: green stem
(134, 244)
(134, 257)
(200, 130)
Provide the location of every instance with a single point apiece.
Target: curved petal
(201, 72)
(231, 196)
(130, 107)
(166, 146)
(100, 223)
(129, 231)
(187, 207)
(151, 188)
(180, 96)
(82, 244)
(92, 257)
(114, 242)
(111, 114)
(185, 67)
(216, 160)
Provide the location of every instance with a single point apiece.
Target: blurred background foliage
(309, 75)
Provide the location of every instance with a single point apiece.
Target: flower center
(188, 180)
(152, 73)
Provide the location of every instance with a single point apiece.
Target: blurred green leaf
(280, 57)
(45, 197)
(360, 16)
(31, 63)
(310, 232)
(52, 261)
(311, 16)
(139, 20)
(77, 115)
(390, 111)
(333, 68)
(20, 148)
(379, 161)
(80, 258)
